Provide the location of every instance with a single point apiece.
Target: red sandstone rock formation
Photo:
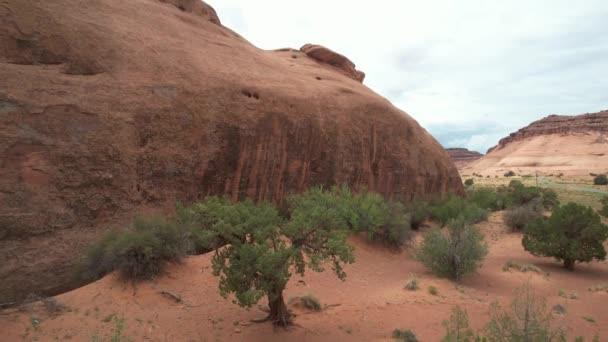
(462, 157)
(336, 60)
(110, 107)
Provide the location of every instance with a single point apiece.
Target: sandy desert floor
(369, 305)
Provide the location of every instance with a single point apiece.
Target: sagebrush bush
(455, 252)
(487, 198)
(469, 182)
(140, 253)
(385, 222)
(600, 180)
(517, 218)
(457, 328)
(454, 207)
(517, 194)
(528, 319)
(573, 233)
(419, 212)
(510, 174)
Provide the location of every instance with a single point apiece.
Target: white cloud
(452, 63)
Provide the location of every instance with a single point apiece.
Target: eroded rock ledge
(336, 60)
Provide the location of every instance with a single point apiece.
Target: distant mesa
(462, 156)
(576, 145)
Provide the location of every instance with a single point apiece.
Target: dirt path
(368, 306)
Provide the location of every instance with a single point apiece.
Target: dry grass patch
(509, 264)
(599, 288)
(413, 283)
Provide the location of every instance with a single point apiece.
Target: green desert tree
(455, 252)
(573, 233)
(261, 249)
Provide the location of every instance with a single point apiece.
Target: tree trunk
(279, 315)
(569, 264)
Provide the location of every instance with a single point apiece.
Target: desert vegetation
(604, 210)
(139, 253)
(600, 180)
(454, 253)
(262, 247)
(526, 319)
(257, 247)
(573, 233)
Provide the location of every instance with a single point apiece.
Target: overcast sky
(470, 71)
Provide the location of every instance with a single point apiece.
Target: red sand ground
(369, 304)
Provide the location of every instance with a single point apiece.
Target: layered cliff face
(462, 156)
(576, 145)
(109, 108)
(559, 124)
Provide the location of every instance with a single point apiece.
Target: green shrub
(604, 210)
(405, 335)
(457, 328)
(469, 182)
(600, 180)
(487, 198)
(510, 174)
(517, 194)
(140, 253)
(454, 207)
(454, 253)
(419, 212)
(98, 260)
(572, 233)
(527, 320)
(517, 218)
(433, 290)
(385, 222)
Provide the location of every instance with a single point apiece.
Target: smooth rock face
(110, 108)
(573, 145)
(336, 60)
(462, 156)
